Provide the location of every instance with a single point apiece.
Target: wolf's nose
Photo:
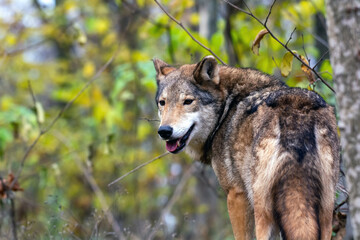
(165, 131)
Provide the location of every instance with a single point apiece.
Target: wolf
(274, 149)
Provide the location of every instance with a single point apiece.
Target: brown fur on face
(274, 149)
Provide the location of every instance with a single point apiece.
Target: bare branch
(346, 200)
(24, 48)
(277, 66)
(303, 45)
(267, 17)
(137, 168)
(320, 60)
(246, 6)
(187, 31)
(149, 120)
(31, 92)
(290, 37)
(240, 9)
(327, 72)
(343, 189)
(34, 101)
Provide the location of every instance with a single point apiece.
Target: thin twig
(267, 17)
(320, 60)
(174, 197)
(187, 31)
(24, 48)
(247, 6)
(327, 73)
(303, 45)
(282, 44)
(240, 9)
(346, 200)
(34, 101)
(149, 120)
(275, 62)
(137, 168)
(343, 189)
(45, 130)
(290, 37)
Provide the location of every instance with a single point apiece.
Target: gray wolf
(274, 149)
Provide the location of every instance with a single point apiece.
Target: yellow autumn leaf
(194, 18)
(40, 112)
(82, 39)
(100, 110)
(143, 131)
(309, 74)
(10, 39)
(88, 69)
(6, 103)
(102, 25)
(286, 64)
(256, 43)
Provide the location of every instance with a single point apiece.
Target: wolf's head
(188, 99)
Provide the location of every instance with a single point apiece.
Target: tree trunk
(343, 18)
(208, 17)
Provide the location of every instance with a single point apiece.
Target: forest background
(77, 110)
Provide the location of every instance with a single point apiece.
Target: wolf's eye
(188, 101)
(162, 102)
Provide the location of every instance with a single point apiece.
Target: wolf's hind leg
(240, 214)
(326, 216)
(263, 222)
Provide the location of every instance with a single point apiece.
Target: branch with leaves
(12, 183)
(307, 69)
(137, 168)
(59, 115)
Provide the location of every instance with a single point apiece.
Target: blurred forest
(50, 50)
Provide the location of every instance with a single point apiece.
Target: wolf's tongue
(171, 145)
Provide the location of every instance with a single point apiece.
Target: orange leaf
(308, 72)
(5, 185)
(256, 44)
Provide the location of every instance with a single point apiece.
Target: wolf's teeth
(178, 143)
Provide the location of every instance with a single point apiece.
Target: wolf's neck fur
(241, 82)
(246, 86)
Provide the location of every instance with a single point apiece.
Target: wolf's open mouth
(176, 145)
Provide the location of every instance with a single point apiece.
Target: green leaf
(5, 138)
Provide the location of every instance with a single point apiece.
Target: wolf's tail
(297, 203)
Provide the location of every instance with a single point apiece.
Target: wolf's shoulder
(296, 98)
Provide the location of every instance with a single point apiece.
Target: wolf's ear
(162, 69)
(207, 70)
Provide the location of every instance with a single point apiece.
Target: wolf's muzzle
(165, 131)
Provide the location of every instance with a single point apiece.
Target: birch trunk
(343, 20)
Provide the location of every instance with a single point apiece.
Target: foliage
(56, 47)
